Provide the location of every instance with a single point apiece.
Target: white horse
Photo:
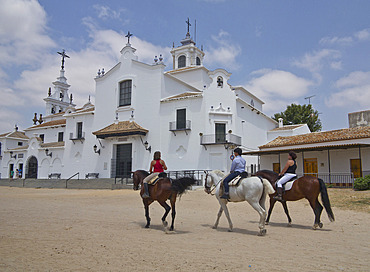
(252, 189)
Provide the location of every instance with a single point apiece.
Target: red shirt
(158, 167)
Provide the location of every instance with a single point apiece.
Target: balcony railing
(227, 140)
(180, 126)
(333, 179)
(77, 136)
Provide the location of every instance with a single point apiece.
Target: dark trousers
(228, 179)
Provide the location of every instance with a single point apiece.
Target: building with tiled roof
(193, 115)
(337, 153)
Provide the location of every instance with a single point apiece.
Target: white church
(194, 116)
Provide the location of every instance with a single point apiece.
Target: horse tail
(268, 187)
(182, 184)
(325, 200)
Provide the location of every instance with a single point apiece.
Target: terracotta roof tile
(183, 96)
(50, 123)
(53, 144)
(320, 137)
(15, 134)
(288, 127)
(121, 129)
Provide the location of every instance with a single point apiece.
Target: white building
(194, 116)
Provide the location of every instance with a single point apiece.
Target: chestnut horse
(163, 189)
(308, 187)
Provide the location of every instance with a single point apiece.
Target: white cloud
(336, 41)
(23, 35)
(277, 88)
(316, 61)
(363, 35)
(354, 91)
(105, 12)
(225, 53)
(8, 118)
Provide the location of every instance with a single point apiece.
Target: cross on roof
(64, 55)
(128, 37)
(188, 23)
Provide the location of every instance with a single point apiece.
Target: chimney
(280, 122)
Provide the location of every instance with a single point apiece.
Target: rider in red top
(157, 166)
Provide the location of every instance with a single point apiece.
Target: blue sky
(281, 51)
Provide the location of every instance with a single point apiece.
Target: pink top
(158, 167)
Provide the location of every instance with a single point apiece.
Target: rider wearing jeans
(237, 167)
(286, 174)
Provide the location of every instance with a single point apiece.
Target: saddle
(289, 184)
(154, 180)
(236, 181)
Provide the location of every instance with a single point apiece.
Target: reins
(215, 186)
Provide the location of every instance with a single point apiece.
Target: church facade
(194, 116)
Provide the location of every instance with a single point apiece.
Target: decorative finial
(40, 120)
(70, 99)
(99, 73)
(35, 119)
(102, 72)
(173, 44)
(128, 37)
(49, 92)
(160, 57)
(64, 55)
(16, 127)
(89, 99)
(155, 59)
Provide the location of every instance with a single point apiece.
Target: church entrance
(32, 168)
(122, 164)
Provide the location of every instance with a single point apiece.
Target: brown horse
(163, 189)
(308, 187)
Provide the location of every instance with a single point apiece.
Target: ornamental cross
(188, 23)
(64, 55)
(128, 37)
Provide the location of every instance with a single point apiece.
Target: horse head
(212, 178)
(138, 177)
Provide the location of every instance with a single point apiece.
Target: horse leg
(317, 209)
(285, 206)
(272, 204)
(262, 213)
(167, 210)
(218, 218)
(173, 201)
(146, 206)
(225, 209)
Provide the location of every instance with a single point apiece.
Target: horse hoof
(147, 226)
(289, 224)
(314, 227)
(230, 230)
(267, 223)
(262, 232)
(321, 225)
(165, 224)
(214, 227)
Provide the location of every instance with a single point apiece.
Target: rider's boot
(279, 196)
(225, 195)
(146, 191)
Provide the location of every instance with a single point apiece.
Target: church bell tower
(187, 54)
(58, 100)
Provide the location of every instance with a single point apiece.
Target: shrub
(362, 183)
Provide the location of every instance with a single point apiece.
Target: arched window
(125, 93)
(181, 62)
(198, 61)
(220, 81)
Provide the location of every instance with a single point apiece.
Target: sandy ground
(102, 230)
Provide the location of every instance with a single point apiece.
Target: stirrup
(145, 195)
(225, 196)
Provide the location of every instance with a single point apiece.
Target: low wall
(100, 183)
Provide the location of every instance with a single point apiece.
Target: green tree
(300, 114)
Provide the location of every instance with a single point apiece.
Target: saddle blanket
(235, 181)
(287, 186)
(153, 180)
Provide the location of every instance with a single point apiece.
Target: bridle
(207, 188)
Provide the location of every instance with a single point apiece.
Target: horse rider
(286, 174)
(157, 166)
(237, 167)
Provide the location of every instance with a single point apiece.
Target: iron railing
(176, 126)
(212, 139)
(198, 175)
(333, 179)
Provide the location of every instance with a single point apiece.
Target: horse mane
(143, 172)
(267, 172)
(218, 173)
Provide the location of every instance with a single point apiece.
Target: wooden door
(356, 168)
(276, 167)
(310, 166)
